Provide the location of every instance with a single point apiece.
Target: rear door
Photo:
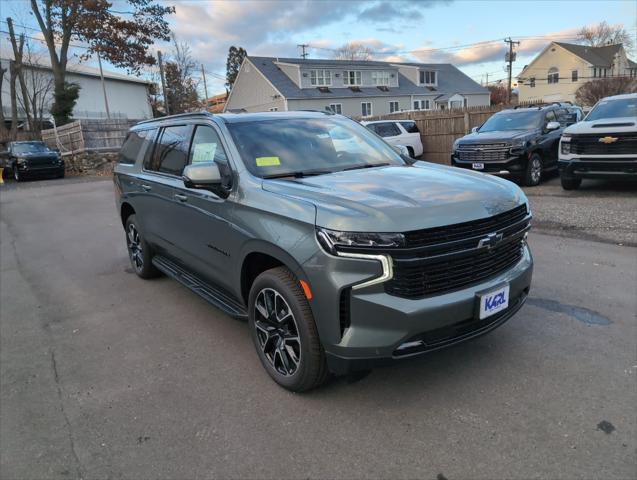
(160, 175)
(203, 224)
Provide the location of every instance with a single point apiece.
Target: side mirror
(552, 126)
(202, 175)
(474, 130)
(401, 150)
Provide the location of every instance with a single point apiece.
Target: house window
(605, 72)
(422, 105)
(532, 82)
(427, 77)
(594, 72)
(352, 77)
(320, 78)
(574, 76)
(393, 107)
(366, 109)
(553, 76)
(336, 108)
(380, 79)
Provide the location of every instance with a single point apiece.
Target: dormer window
(428, 77)
(380, 78)
(352, 77)
(320, 78)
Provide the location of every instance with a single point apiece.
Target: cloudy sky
(467, 33)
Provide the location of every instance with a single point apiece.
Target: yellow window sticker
(268, 161)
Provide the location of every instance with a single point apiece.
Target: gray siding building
(353, 88)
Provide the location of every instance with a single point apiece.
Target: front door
(204, 223)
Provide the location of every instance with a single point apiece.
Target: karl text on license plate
(494, 301)
(477, 166)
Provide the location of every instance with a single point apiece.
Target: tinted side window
(410, 127)
(135, 146)
(387, 129)
(206, 146)
(131, 147)
(171, 151)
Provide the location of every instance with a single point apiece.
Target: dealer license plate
(494, 301)
(477, 166)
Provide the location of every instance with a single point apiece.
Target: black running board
(223, 301)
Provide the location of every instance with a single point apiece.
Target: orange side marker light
(306, 289)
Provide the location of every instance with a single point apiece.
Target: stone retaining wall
(91, 163)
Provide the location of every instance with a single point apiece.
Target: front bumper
(382, 327)
(513, 167)
(598, 167)
(41, 169)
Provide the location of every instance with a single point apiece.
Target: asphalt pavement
(105, 375)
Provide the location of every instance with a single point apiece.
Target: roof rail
(326, 112)
(202, 113)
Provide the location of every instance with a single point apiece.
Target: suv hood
(604, 125)
(496, 136)
(401, 198)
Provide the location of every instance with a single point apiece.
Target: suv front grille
(452, 259)
(625, 144)
(481, 152)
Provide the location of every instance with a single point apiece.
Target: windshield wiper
(299, 174)
(356, 167)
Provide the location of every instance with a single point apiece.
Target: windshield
(309, 146)
(624, 107)
(35, 147)
(512, 121)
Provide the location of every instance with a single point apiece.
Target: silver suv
(341, 255)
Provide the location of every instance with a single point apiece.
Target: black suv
(520, 143)
(30, 158)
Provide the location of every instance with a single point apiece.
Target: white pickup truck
(604, 145)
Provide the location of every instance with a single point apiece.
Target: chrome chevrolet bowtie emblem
(607, 140)
(490, 240)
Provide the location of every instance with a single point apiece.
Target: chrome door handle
(181, 198)
(147, 188)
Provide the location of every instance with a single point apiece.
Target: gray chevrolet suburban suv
(340, 253)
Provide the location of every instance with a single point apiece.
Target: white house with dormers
(352, 88)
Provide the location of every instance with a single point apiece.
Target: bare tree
(39, 85)
(353, 51)
(591, 92)
(181, 85)
(3, 127)
(604, 34)
(17, 44)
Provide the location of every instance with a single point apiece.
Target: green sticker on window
(268, 161)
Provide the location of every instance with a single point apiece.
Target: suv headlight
(330, 240)
(21, 161)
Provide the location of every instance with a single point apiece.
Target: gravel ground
(603, 211)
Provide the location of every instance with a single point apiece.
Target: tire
(411, 152)
(570, 183)
(284, 331)
(534, 170)
(140, 253)
(61, 174)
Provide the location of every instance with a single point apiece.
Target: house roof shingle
(450, 79)
(597, 56)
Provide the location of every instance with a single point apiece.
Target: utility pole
(303, 47)
(163, 82)
(487, 84)
(205, 86)
(99, 62)
(510, 57)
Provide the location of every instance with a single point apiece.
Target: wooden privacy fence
(88, 136)
(440, 128)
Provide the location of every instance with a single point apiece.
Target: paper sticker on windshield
(268, 161)
(204, 152)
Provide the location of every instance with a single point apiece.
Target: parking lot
(105, 375)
